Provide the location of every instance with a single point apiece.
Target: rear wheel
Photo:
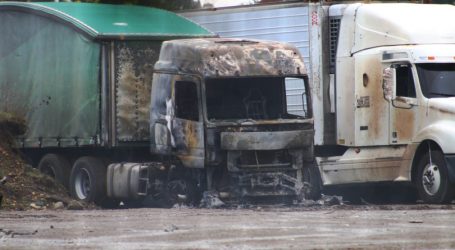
(88, 180)
(433, 179)
(56, 166)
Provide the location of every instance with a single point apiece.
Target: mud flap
(450, 161)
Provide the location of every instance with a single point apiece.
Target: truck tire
(57, 167)
(88, 180)
(433, 180)
(312, 181)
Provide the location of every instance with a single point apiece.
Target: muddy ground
(355, 227)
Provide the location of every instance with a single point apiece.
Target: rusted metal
(189, 142)
(134, 71)
(267, 184)
(221, 57)
(266, 140)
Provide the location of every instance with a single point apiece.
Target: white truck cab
(394, 81)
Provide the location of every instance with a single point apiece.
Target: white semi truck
(383, 86)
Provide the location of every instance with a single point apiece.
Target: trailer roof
(114, 21)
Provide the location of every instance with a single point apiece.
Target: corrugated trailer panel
(289, 24)
(49, 75)
(284, 23)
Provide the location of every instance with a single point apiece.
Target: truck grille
(334, 29)
(264, 160)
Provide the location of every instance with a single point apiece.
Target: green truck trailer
(81, 76)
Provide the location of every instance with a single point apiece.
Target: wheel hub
(431, 179)
(82, 184)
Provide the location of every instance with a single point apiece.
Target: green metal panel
(49, 74)
(121, 21)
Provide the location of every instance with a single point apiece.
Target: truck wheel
(312, 182)
(56, 166)
(433, 180)
(88, 180)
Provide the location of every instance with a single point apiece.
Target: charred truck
(215, 117)
(382, 86)
(220, 105)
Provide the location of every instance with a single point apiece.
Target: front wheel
(433, 179)
(312, 183)
(88, 180)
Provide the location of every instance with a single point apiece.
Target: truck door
(187, 129)
(404, 106)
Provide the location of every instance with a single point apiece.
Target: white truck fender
(442, 132)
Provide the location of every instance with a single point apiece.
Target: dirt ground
(47, 225)
(353, 227)
(21, 186)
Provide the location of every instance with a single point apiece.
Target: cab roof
(224, 57)
(113, 21)
(388, 24)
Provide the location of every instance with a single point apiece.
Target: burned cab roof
(220, 57)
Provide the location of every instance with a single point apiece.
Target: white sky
(226, 3)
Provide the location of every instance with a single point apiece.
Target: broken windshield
(257, 98)
(437, 79)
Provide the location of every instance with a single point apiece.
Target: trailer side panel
(50, 76)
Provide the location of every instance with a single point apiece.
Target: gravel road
(414, 226)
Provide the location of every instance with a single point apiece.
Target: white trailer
(382, 83)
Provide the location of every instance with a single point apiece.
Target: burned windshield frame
(298, 97)
(437, 79)
(251, 98)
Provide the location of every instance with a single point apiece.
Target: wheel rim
(82, 184)
(431, 179)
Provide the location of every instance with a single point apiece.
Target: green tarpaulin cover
(49, 74)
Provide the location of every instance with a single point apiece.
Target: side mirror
(389, 83)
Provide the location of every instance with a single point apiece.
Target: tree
(162, 4)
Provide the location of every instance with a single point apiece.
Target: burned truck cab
(221, 106)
